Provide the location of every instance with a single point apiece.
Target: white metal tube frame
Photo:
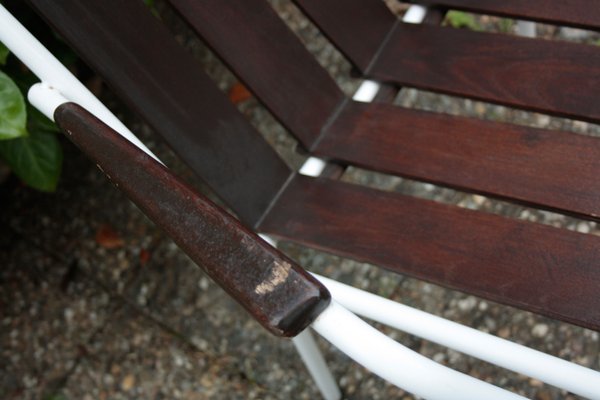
(398, 364)
(544, 367)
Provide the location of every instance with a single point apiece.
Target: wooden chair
(547, 270)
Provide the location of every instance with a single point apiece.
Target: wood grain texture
(155, 76)
(548, 76)
(578, 13)
(249, 36)
(530, 266)
(275, 291)
(553, 169)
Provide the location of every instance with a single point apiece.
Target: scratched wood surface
(280, 295)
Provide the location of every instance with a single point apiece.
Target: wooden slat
(269, 58)
(356, 27)
(548, 76)
(557, 170)
(578, 13)
(155, 76)
(534, 267)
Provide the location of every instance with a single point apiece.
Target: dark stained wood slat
(269, 58)
(155, 76)
(548, 76)
(557, 170)
(356, 27)
(551, 271)
(279, 294)
(578, 13)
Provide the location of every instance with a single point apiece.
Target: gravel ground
(98, 304)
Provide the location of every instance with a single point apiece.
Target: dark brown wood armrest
(279, 294)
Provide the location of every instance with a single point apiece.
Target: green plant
(28, 143)
(459, 19)
(505, 24)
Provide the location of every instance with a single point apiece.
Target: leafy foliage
(459, 19)
(506, 24)
(13, 114)
(27, 141)
(36, 159)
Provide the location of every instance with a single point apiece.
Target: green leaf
(36, 159)
(459, 19)
(13, 114)
(4, 52)
(506, 24)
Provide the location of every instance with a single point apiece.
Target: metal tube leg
(309, 351)
(315, 363)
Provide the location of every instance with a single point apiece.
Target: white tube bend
(398, 364)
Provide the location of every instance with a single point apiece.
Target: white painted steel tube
(398, 364)
(45, 98)
(315, 363)
(544, 367)
(367, 91)
(50, 71)
(313, 166)
(415, 14)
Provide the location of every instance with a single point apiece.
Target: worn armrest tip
(305, 312)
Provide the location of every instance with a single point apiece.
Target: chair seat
(552, 271)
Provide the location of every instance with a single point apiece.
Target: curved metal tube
(397, 363)
(515, 357)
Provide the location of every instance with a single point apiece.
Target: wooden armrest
(283, 297)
